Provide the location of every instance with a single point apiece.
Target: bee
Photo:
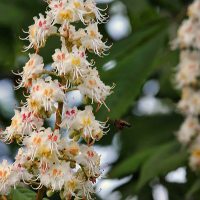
(121, 124)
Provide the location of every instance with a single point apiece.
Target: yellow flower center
(48, 92)
(185, 95)
(77, 5)
(46, 153)
(190, 12)
(34, 103)
(197, 153)
(76, 62)
(66, 15)
(183, 75)
(195, 101)
(71, 184)
(86, 121)
(14, 123)
(92, 33)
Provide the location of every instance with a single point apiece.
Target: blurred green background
(145, 162)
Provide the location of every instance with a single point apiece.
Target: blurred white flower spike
(47, 161)
(187, 79)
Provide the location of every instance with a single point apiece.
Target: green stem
(60, 109)
(49, 72)
(58, 34)
(72, 89)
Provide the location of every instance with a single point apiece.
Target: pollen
(14, 123)
(87, 121)
(34, 103)
(92, 33)
(39, 141)
(5, 173)
(195, 101)
(77, 5)
(91, 82)
(71, 185)
(197, 153)
(46, 92)
(55, 171)
(66, 15)
(58, 57)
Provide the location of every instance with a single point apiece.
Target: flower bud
(72, 165)
(85, 100)
(50, 193)
(61, 195)
(71, 135)
(75, 83)
(77, 137)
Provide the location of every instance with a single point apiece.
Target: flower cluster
(48, 158)
(188, 80)
(189, 31)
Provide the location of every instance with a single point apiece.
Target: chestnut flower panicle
(51, 159)
(188, 79)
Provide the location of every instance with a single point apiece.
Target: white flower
(194, 9)
(22, 124)
(33, 67)
(94, 88)
(188, 69)
(22, 156)
(74, 63)
(190, 102)
(44, 93)
(92, 40)
(43, 143)
(186, 34)
(21, 173)
(197, 38)
(86, 123)
(68, 117)
(7, 178)
(90, 160)
(59, 60)
(39, 31)
(78, 7)
(90, 7)
(63, 12)
(85, 189)
(56, 176)
(77, 63)
(70, 187)
(69, 149)
(70, 32)
(194, 160)
(188, 129)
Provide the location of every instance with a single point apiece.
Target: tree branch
(71, 89)
(58, 34)
(41, 193)
(49, 72)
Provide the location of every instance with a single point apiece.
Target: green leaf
(148, 132)
(131, 164)
(176, 191)
(130, 74)
(194, 188)
(140, 13)
(22, 194)
(166, 159)
(15, 14)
